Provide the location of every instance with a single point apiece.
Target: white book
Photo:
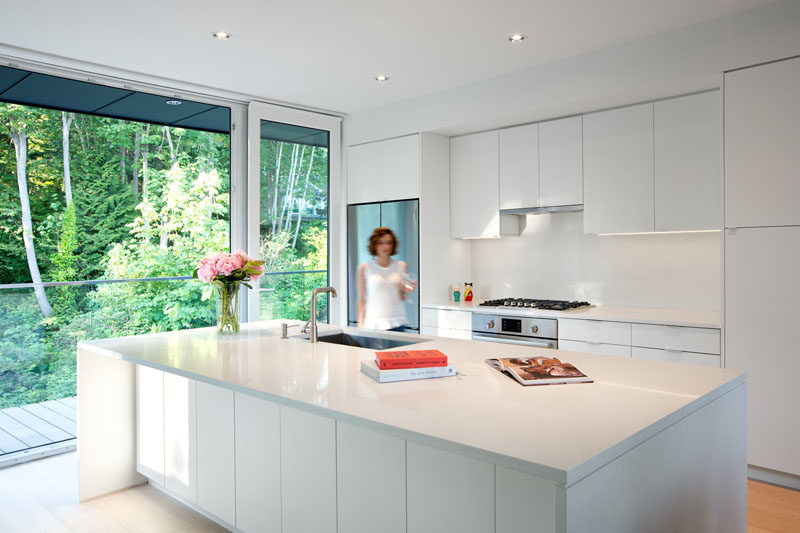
(369, 368)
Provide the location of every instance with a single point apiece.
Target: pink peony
(227, 264)
(207, 270)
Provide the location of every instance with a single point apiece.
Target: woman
(383, 285)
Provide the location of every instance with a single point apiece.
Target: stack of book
(407, 364)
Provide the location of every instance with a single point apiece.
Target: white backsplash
(553, 259)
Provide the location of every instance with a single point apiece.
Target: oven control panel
(513, 325)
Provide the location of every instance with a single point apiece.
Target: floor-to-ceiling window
(103, 217)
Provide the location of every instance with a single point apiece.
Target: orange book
(410, 359)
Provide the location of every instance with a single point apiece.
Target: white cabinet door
(308, 472)
(561, 162)
(180, 436)
(594, 331)
(258, 464)
(364, 173)
(519, 167)
(761, 317)
(150, 423)
(448, 492)
(762, 135)
(688, 188)
(521, 496)
(216, 489)
(400, 168)
(474, 200)
(371, 480)
(675, 356)
(595, 347)
(618, 170)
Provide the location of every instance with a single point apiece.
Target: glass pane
(289, 296)
(37, 354)
(293, 217)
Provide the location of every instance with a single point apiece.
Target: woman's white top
(383, 306)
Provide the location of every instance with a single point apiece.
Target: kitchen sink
(366, 341)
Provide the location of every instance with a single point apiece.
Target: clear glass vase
(227, 307)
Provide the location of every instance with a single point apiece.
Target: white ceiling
(325, 53)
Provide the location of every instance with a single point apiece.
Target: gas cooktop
(530, 303)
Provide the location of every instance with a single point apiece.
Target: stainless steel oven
(540, 332)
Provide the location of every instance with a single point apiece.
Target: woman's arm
(407, 286)
(362, 291)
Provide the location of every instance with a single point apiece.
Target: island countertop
(561, 432)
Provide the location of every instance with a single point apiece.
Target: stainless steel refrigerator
(402, 217)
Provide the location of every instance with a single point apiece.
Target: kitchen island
(268, 434)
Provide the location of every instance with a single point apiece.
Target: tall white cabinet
(561, 162)
(383, 170)
(762, 255)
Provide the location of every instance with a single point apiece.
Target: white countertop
(643, 315)
(561, 432)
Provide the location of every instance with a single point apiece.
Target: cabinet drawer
(595, 331)
(443, 318)
(450, 333)
(676, 356)
(595, 347)
(678, 338)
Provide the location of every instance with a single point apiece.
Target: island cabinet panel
(308, 472)
(258, 464)
(180, 436)
(216, 490)
(519, 167)
(448, 492)
(520, 498)
(688, 187)
(561, 162)
(618, 170)
(371, 480)
(762, 133)
(150, 423)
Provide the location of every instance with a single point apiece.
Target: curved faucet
(311, 325)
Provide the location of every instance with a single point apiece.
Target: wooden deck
(37, 430)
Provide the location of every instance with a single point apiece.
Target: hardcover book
(410, 359)
(539, 370)
(371, 369)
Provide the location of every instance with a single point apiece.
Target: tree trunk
(274, 212)
(303, 201)
(80, 135)
(172, 155)
(20, 140)
(145, 154)
(289, 188)
(137, 148)
(122, 155)
(66, 122)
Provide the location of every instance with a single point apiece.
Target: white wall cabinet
(761, 295)
(383, 170)
(688, 188)
(308, 472)
(180, 436)
(216, 467)
(519, 167)
(762, 135)
(150, 423)
(474, 188)
(618, 170)
(561, 162)
(258, 464)
(448, 492)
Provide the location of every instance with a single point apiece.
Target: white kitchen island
(269, 434)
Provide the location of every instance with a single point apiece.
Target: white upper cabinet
(384, 170)
(561, 162)
(519, 167)
(474, 185)
(762, 137)
(687, 163)
(400, 168)
(618, 170)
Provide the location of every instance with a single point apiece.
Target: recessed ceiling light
(174, 102)
(221, 35)
(381, 77)
(517, 37)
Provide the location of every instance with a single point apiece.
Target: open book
(539, 370)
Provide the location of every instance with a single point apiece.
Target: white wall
(672, 63)
(553, 259)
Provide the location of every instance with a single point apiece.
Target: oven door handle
(511, 340)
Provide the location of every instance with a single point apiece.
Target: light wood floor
(41, 496)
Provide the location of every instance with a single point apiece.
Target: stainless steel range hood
(541, 210)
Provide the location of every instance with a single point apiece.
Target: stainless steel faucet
(311, 325)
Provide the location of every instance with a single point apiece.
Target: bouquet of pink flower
(228, 268)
